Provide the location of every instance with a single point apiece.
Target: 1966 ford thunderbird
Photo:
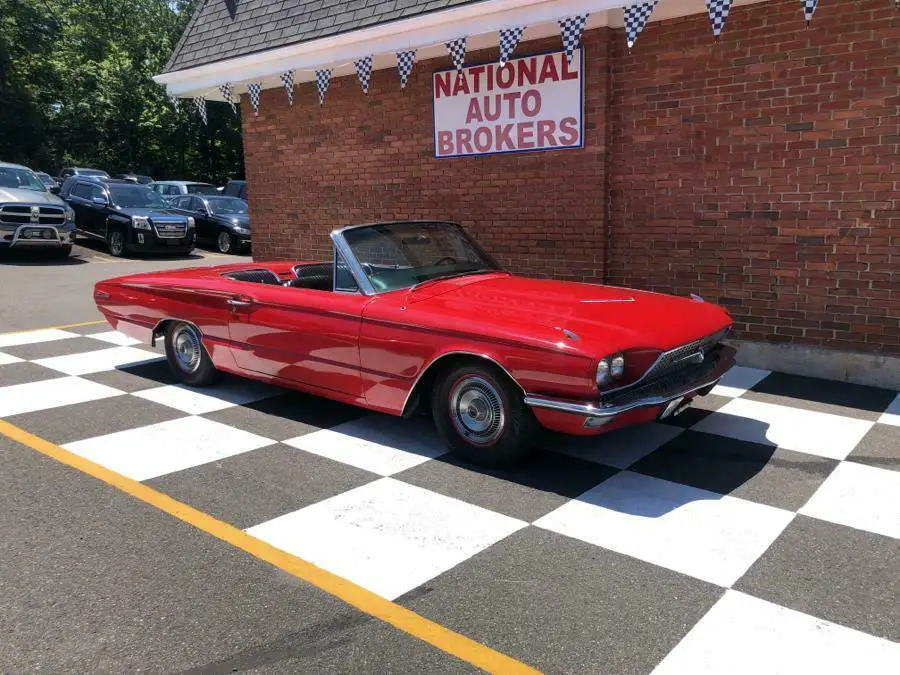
(415, 315)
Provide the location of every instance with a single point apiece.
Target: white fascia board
(478, 20)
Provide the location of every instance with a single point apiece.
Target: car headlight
(609, 369)
(241, 230)
(70, 214)
(190, 222)
(140, 222)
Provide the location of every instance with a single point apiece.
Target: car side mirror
(99, 201)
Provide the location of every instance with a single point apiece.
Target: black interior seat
(316, 277)
(258, 276)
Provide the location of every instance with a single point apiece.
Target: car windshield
(402, 255)
(200, 189)
(20, 179)
(92, 172)
(228, 206)
(45, 178)
(136, 197)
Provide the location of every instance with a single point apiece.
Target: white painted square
(159, 449)
(892, 414)
(209, 399)
(387, 536)
(377, 443)
(620, 448)
(743, 635)
(53, 393)
(703, 534)
(98, 361)
(33, 337)
(815, 433)
(739, 380)
(114, 337)
(860, 496)
(6, 359)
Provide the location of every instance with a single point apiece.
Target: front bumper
(657, 394)
(37, 236)
(148, 241)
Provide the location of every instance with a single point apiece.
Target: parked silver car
(30, 216)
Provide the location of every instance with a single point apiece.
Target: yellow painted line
(61, 327)
(441, 637)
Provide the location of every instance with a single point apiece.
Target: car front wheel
(116, 242)
(225, 242)
(187, 357)
(480, 413)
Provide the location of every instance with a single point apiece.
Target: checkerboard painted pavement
(757, 532)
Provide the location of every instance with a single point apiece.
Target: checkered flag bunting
(200, 105)
(636, 17)
(287, 79)
(227, 91)
(364, 72)
(176, 102)
(509, 40)
(323, 79)
(405, 63)
(809, 8)
(254, 89)
(457, 51)
(571, 29)
(718, 14)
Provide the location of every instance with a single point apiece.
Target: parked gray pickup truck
(32, 217)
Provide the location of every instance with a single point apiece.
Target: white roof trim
(427, 33)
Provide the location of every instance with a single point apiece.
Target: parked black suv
(221, 221)
(236, 188)
(129, 218)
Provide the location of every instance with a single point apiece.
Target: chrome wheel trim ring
(476, 410)
(187, 348)
(224, 242)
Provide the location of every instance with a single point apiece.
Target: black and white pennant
(364, 72)
(405, 63)
(200, 105)
(227, 91)
(509, 40)
(809, 8)
(254, 89)
(636, 17)
(457, 51)
(287, 79)
(323, 79)
(718, 14)
(571, 29)
(176, 102)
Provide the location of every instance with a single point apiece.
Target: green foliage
(76, 90)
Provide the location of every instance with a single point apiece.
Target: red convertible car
(413, 315)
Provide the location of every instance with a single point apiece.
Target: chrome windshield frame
(340, 244)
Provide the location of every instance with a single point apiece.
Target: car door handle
(239, 301)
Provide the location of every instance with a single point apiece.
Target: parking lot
(757, 532)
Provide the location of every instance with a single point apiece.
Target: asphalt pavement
(150, 527)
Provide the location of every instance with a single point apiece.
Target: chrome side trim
(476, 355)
(341, 245)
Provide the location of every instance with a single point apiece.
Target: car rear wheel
(225, 241)
(480, 413)
(116, 242)
(187, 357)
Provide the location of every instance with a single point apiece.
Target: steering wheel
(449, 259)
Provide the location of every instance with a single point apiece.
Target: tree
(76, 89)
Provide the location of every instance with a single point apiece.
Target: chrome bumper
(655, 393)
(58, 237)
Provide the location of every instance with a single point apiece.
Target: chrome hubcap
(477, 410)
(186, 342)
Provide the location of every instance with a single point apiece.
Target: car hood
(15, 196)
(241, 221)
(150, 213)
(592, 318)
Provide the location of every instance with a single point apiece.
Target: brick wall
(759, 171)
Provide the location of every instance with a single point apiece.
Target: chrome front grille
(684, 355)
(26, 214)
(170, 229)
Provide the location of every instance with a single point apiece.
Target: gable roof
(215, 34)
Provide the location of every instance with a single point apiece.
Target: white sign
(532, 103)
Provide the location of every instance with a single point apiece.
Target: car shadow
(101, 248)
(30, 258)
